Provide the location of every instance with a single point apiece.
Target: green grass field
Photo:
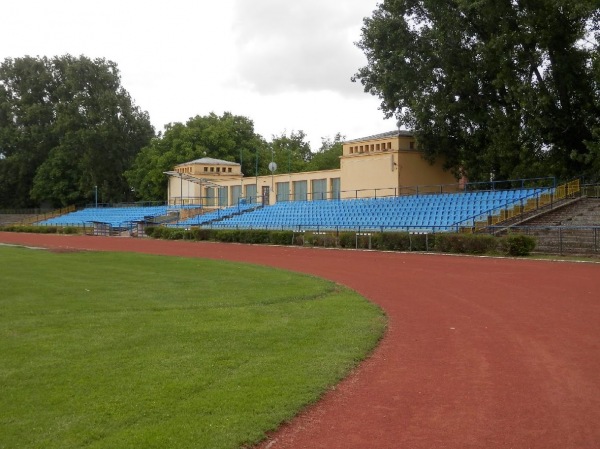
(117, 350)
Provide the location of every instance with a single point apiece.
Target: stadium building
(383, 185)
(387, 164)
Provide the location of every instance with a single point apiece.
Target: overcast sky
(285, 65)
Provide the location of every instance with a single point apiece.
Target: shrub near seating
(480, 244)
(155, 231)
(228, 236)
(326, 240)
(202, 234)
(465, 243)
(391, 241)
(449, 243)
(42, 229)
(511, 245)
(282, 238)
(517, 245)
(178, 234)
(254, 236)
(347, 240)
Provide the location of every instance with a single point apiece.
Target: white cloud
(285, 65)
(305, 46)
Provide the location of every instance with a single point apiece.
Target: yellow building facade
(385, 164)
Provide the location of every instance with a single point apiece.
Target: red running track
(480, 352)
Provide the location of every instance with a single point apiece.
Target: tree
(26, 118)
(593, 159)
(502, 88)
(291, 153)
(328, 156)
(66, 126)
(227, 137)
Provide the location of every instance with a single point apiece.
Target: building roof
(209, 161)
(386, 135)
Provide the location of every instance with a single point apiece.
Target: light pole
(241, 195)
(272, 165)
(397, 165)
(96, 195)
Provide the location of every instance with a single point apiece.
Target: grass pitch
(106, 350)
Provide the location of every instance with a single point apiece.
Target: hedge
(510, 245)
(42, 229)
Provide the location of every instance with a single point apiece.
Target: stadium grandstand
(117, 217)
(417, 213)
(383, 184)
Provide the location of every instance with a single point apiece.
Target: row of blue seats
(419, 211)
(381, 220)
(406, 201)
(115, 216)
(215, 215)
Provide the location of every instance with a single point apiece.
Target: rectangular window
(319, 189)
(229, 169)
(251, 193)
(236, 194)
(210, 196)
(283, 191)
(223, 193)
(205, 168)
(335, 188)
(300, 191)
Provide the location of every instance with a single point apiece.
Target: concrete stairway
(574, 228)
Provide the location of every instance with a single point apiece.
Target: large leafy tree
(227, 137)
(66, 126)
(497, 87)
(328, 156)
(291, 153)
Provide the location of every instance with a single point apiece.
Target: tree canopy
(291, 153)
(328, 156)
(228, 137)
(66, 126)
(505, 88)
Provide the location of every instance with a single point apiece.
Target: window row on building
(189, 170)
(316, 189)
(378, 147)
(217, 169)
(371, 148)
